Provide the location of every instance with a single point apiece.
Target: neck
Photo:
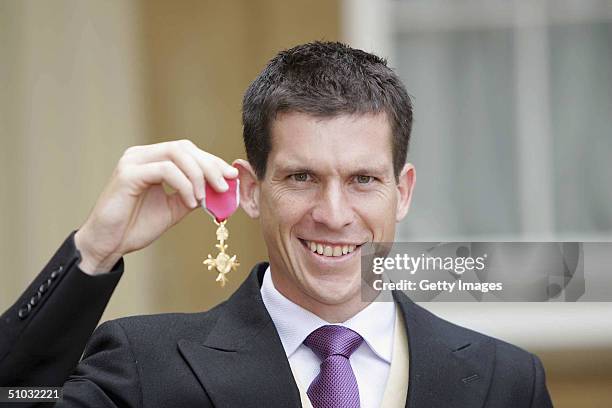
(330, 312)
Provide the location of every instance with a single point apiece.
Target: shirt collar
(375, 323)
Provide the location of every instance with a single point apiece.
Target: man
(326, 130)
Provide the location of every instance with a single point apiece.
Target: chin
(333, 289)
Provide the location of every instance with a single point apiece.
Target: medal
(220, 206)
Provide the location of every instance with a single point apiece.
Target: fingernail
(223, 185)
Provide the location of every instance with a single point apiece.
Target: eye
(364, 179)
(300, 177)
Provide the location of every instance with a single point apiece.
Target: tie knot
(332, 339)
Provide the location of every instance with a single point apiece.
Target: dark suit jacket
(43, 334)
(232, 356)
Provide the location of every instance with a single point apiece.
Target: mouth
(330, 250)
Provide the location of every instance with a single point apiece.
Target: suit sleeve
(44, 333)
(541, 397)
(108, 375)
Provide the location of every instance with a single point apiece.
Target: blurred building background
(512, 138)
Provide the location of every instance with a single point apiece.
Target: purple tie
(336, 385)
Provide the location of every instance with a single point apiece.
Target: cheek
(285, 208)
(378, 212)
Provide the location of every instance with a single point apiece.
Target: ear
(249, 188)
(405, 185)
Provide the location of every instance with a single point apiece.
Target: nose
(332, 207)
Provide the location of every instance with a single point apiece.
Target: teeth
(329, 250)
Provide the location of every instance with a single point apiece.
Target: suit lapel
(242, 363)
(447, 367)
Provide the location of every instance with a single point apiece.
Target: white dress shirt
(371, 360)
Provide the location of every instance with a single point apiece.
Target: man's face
(329, 188)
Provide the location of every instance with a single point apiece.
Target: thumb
(178, 209)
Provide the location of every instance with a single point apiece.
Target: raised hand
(134, 210)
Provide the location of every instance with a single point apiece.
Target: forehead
(344, 141)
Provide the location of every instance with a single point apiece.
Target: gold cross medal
(220, 206)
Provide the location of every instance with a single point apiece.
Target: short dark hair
(324, 79)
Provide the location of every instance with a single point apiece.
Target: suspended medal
(220, 206)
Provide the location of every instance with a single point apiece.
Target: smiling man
(326, 131)
(329, 187)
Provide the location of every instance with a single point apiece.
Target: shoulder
(509, 358)
(158, 328)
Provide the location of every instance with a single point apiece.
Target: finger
(212, 171)
(168, 172)
(175, 151)
(194, 172)
(158, 151)
(227, 169)
(213, 166)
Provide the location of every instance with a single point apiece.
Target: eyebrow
(375, 170)
(291, 169)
